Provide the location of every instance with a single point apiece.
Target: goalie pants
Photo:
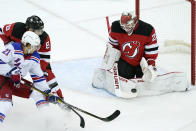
(128, 71)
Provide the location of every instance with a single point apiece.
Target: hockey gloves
(51, 98)
(15, 76)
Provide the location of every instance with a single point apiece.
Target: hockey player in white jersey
(16, 61)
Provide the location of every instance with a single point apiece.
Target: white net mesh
(172, 22)
(172, 19)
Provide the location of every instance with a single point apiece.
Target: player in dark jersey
(14, 32)
(134, 39)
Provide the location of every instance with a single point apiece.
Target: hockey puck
(133, 90)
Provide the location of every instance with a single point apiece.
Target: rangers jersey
(13, 56)
(141, 43)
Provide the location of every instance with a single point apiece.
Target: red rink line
(66, 20)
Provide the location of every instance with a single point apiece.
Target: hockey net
(175, 21)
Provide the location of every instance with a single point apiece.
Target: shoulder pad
(116, 27)
(18, 48)
(143, 29)
(35, 57)
(18, 30)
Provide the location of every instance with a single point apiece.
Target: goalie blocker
(107, 78)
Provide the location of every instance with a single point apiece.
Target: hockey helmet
(128, 21)
(34, 22)
(31, 40)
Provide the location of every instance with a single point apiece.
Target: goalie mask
(30, 42)
(128, 22)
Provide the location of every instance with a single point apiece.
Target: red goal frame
(193, 41)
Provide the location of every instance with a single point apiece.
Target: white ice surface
(78, 34)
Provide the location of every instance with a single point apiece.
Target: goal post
(192, 31)
(137, 8)
(193, 41)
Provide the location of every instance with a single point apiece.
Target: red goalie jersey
(14, 32)
(141, 43)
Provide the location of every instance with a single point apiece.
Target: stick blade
(82, 122)
(112, 117)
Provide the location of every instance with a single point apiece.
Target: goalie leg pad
(99, 78)
(171, 82)
(122, 87)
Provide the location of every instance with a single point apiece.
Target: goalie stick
(74, 108)
(118, 90)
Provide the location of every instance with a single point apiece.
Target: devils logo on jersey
(131, 49)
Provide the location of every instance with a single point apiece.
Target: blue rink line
(78, 74)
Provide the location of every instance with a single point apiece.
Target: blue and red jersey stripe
(37, 78)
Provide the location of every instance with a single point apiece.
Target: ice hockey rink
(78, 33)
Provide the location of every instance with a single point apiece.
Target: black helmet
(34, 22)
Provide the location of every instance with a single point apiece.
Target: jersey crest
(131, 49)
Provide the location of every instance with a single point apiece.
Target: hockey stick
(82, 123)
(117, 89)
(108, 23)
(106, 119)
